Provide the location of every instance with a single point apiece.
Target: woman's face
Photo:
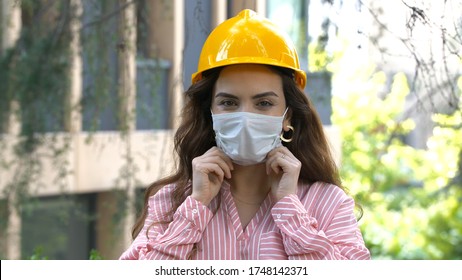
(248, 88)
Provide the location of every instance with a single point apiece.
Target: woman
(255, 178)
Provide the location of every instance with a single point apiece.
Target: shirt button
(194, 211)
(278, 216)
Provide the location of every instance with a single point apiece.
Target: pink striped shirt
(317, 223)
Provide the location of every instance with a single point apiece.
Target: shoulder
(321, 191)
(322, 200)
(161, 200)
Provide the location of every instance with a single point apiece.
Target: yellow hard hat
(249, 38)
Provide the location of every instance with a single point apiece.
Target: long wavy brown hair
(195, 136)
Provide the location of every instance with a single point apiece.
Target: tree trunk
(73, 121)
(127, 101)
(11, 24)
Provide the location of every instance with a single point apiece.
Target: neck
(250, 182)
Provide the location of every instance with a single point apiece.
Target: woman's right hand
(209, 170)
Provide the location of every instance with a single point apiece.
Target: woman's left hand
(284, 169)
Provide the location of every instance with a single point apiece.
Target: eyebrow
(260, 95)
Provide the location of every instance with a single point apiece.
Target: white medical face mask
(247, 137)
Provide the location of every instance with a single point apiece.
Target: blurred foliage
(95, 255)
(411, 197)
(34, 72)
(38, 254)
(319, 58)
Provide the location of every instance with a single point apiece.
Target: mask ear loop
(291, 138)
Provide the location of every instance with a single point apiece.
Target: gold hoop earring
(290, 139)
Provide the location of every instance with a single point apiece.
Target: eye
(227, 103)
(264, 103)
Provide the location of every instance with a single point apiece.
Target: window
(58, 228)
(292, 16)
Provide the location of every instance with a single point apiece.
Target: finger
(215, 169)
(280, 161)
(202, 162)
(221, 163)
(217, 151)
(214, 155)
(276, 154)
(269, 161)
(226, 159)
(271, 158)
(273, 165)
(276, 165)
(282, 150)
(209, 168)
